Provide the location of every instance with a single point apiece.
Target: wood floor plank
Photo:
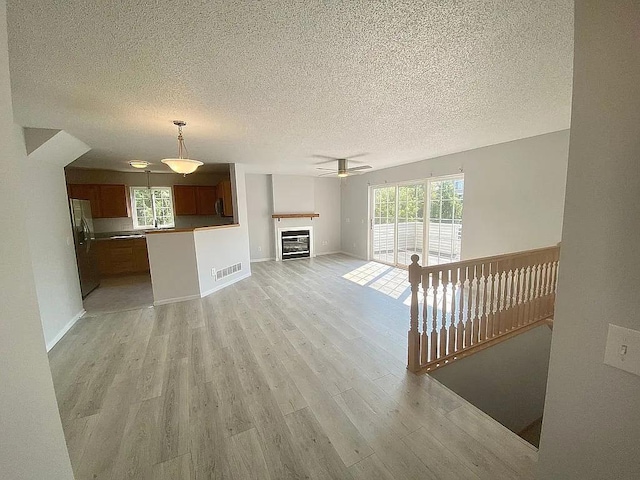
(103, 445)
(172, 434)
(346, 438)
(388, 446)
(442, 461)
(247, 458)
(282, 460)
(206, 433)
(178, 468)
(138, 453)
(320, 456)
(370, 468)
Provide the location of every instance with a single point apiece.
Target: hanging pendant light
(181, 165)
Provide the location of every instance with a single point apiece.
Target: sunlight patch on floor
(366, 273)
(385, 279)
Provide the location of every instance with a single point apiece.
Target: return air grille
(225, 272)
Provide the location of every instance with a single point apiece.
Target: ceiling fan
(343, 168)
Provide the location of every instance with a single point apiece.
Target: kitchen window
(152, 207)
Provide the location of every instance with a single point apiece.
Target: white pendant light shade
(183, 166)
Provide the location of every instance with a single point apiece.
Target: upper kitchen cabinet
(194, 200)
(184, 200)
(206, 200)
(87, 192)
(224, 192)
(113, 201)
(107, 201)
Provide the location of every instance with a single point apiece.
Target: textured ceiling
(272, 83)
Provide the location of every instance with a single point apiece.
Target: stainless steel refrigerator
(84, 239)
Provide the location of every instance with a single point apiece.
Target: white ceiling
(272, 83)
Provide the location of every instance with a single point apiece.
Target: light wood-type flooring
(293, 373)
(116, 294)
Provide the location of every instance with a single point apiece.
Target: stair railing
(466, 306)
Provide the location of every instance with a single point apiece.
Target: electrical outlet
(324, 243)
(213, 272)
(259, 248)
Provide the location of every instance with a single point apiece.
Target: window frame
(134, 211)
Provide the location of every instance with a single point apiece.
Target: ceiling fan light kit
(181, 164)
(343, 170)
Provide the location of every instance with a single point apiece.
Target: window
(152, 207)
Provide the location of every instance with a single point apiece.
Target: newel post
(415, 275)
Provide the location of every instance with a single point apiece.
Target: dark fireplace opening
(295, 244)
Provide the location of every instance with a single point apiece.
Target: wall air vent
(225, 272)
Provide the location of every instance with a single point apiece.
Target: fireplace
(295, 242)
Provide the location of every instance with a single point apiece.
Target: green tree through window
(152, 207)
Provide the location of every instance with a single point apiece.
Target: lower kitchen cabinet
(122, 256)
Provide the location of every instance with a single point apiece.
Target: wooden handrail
(470, 304)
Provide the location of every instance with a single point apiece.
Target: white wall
(221, 248)
(52, 249)
(33, 444)
(259, 211)
(173, 265)
(507, 381)
(267, 194)
(591, 428)
(327, 234)
(293, 194)
(513, 197)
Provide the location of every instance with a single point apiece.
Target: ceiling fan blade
(361, 167)
(357, 155)
(328, 169)
(326, 157)
(327, 174)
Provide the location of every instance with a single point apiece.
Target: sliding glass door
(445, 220)
(383, 231)
(398, 227)
(410, 223)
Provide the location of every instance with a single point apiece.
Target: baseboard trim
(220, 287)
(329, 253)
(65, 329)
(258, 260)
(352, 255)
(157, 303)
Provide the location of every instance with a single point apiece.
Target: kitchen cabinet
(122, 256)
(107, 201)
(113, 201)
(87, 192)
(184, 200)
(224, 192)
(206, 200)
(194, 199)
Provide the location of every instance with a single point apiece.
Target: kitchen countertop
(130, 235)
(120, 235)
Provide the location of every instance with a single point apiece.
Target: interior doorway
(398, 228)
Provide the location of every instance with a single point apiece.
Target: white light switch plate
(623, 349)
